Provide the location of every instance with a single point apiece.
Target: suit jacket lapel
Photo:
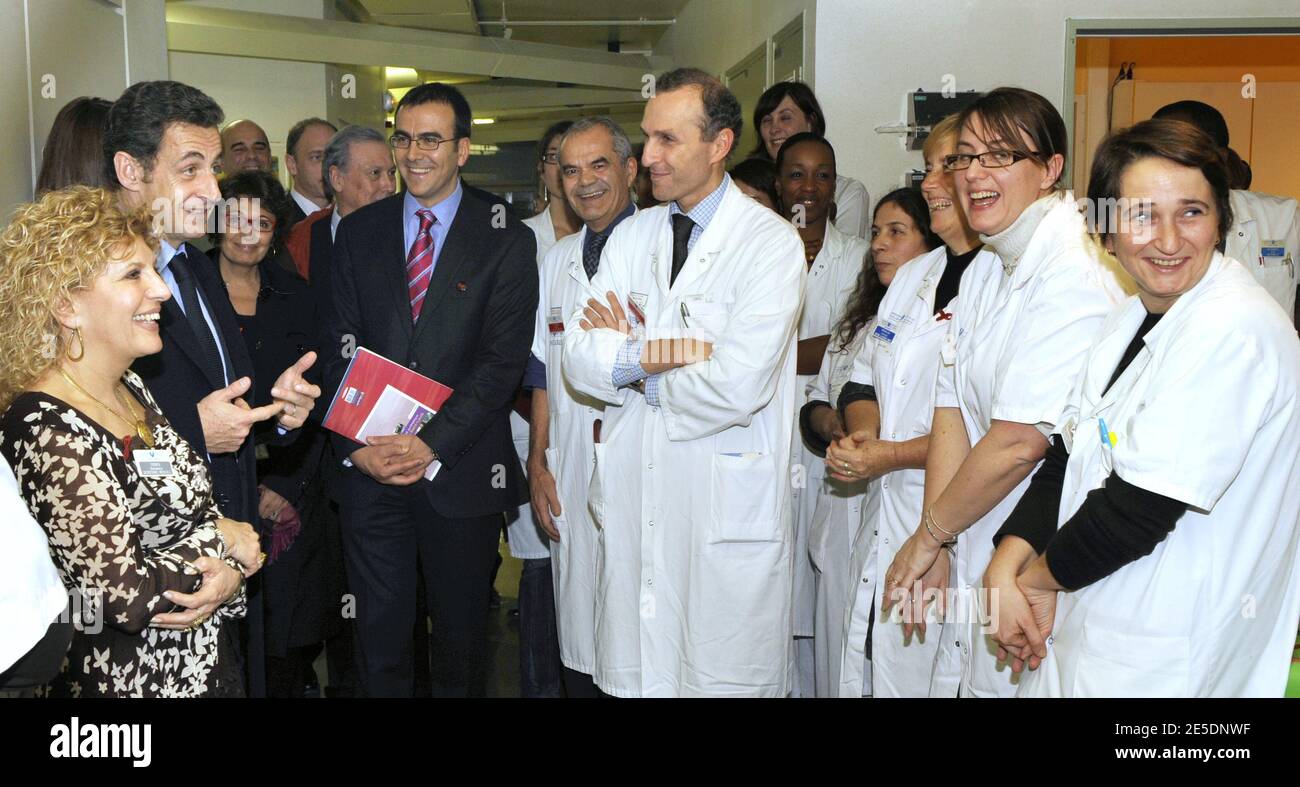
(222, 312)
(177, 330)
(392, 245)
(453, 257)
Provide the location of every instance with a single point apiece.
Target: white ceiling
(469, 16)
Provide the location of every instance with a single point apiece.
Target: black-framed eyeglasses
(423, 141)
(989, 159)
(549, 158)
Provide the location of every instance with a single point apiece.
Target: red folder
(366, 383)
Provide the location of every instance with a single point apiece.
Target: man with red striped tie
(440, 277)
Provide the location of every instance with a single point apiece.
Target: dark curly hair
(266, 189)
(868, 291)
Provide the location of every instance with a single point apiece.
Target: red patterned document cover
(378, 397)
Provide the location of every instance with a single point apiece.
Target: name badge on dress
(155, 463)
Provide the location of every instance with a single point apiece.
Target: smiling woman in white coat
(1009, 360)
(805, 185)
(887, 407)
(691, 484)
(1178, 549)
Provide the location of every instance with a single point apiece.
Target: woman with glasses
(789, 108)
(1162, 558)
(276, 312)
(1009, 360)
(556, 219)
(887, 407)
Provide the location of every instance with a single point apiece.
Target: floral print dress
(120, 539)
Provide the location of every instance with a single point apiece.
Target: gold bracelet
(930, 525)
(942, 542)
(929, 514)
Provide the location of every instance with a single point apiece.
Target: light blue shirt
(165, 254)
(627, 364)
(444, 214)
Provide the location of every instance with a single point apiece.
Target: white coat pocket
(596, 491)
(744, 498)
(703, 320)
(1114, 663)
(553, 464)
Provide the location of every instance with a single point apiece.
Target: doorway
(1118, 72)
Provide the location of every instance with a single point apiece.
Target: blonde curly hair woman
(125, 502)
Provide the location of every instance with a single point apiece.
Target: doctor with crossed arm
(695, 347)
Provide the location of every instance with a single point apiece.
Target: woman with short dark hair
(1141, 537)
(789, 108)
(277, 315)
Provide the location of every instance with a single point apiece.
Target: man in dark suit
(440, 278)
(162, 150)
(357, 169)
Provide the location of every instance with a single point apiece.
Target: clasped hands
(220, 581)
(859, 456)
(657, 355)
(1021, 594)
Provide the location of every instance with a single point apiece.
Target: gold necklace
(142, 429)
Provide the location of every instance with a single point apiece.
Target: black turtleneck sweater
(1117, 524)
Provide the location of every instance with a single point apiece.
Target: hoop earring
(76, 332)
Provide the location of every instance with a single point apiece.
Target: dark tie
(419, 263)
(682, 226)
(591, 249)
(180, 267)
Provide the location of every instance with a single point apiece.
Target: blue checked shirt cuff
(627, 364)
(652, 390)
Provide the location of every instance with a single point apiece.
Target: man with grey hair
(357, 169)
(596, 172)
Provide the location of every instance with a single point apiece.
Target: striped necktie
(419, 263)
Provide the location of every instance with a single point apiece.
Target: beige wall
(1260, 121)
(716, 34)
(56, 50)
(869, 55)
(273, 93)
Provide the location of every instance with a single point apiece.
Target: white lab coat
(836, 518)
(852, 207)
(1265, 239)
(31, 593)
(1013, 350)
(900, 360)
(571, 456)
(527, 541)
(829, 283)
(692, 496)
(1205, 414)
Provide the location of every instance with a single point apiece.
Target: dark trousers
(381, 540)
(539, 642)
(580, 686)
